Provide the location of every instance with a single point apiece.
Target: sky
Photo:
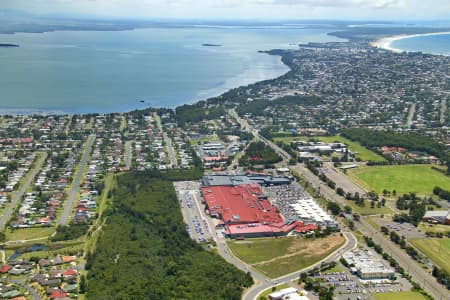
(240, 9)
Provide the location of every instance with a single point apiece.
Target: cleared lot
(279, 256)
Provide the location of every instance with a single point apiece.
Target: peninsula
(8, 45)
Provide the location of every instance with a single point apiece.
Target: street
(17, 196)
(75, 189)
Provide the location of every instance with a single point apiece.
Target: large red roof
(240, 204)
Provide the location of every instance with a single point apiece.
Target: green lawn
(257, 250)
(363, 153)
(399, 296)
(420, 179)
(367, 210)
(424, 227)
(29, 233)
(438, 250)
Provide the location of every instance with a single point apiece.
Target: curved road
(261, 286)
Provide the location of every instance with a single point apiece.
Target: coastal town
(329, 182)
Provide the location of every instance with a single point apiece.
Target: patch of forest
(145, 252)
(411, 141)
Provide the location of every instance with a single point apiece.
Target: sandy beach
(386, 43)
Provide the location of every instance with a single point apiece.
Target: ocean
(434, 44)
(101, 72)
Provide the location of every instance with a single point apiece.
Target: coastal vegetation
(146, 253)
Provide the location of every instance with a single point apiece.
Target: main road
(416, 271)
(75, 188)
(17, 196)
(247, 127)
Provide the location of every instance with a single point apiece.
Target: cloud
(241, 9)
(335, 3)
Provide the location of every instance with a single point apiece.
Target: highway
(418, 274)
(245, 126)
(168, 142)
(17, 196)
(75, 189)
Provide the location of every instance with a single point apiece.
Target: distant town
(330, 182)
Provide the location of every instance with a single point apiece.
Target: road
(24, 285)
(168, 142)
(412, 111)
(17, 196)
(75, 189)
(128, 154)
(255, 290)
(247, 127)
(443, 110)
(417, 273)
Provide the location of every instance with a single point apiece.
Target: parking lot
(349, 286)
(196, 225)
(402, 229)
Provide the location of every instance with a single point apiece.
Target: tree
(82, 287)
(334, 208)
(347, 209)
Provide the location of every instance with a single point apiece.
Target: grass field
(399, 296)
(29, 233)
(420, 179)
(438, 250)
(363, 153)
(367, 210)
(277, 257)
(424, 227)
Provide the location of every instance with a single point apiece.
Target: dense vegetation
(197, 112)
(259, 153)
(443, 194)
(146, 253)
(410, 141)
(258, 107)
(65, 233)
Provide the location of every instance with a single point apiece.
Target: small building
(437, 217)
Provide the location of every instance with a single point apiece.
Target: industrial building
(437, 217)
(247, 178)
(244, 209)
(368, 267)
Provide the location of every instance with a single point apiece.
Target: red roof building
(240, 204)
(5, 268)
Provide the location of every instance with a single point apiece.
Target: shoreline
(386, 42)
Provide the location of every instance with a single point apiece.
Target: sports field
(280, 256)
(399, 296)
(419, 179)
(438, 250)
(363, 153)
